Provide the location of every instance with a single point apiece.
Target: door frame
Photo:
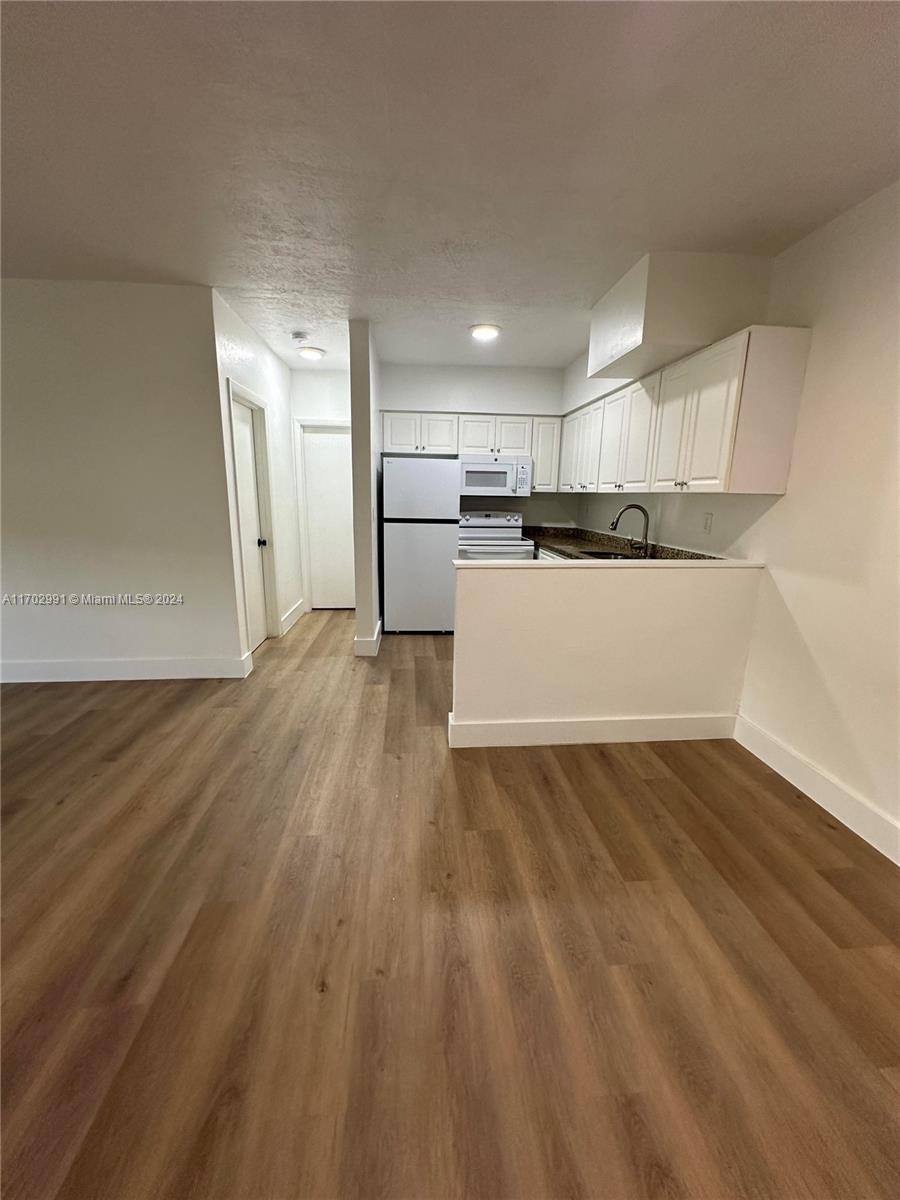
(238, 394)
(300, 425)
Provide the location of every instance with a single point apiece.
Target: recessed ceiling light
(311, 352)
(485, 333)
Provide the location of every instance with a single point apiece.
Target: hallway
(270, 939)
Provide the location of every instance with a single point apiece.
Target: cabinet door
(545, 446)
(612, 430)
(590, 447)
(568, 459)
(513, 435)
(640, 426)
(671, 425)
(476, 435)
(440, 433)
(715, 377)
(401, 432)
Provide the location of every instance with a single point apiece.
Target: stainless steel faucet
(638, 547)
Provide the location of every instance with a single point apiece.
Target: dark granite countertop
(572, 543)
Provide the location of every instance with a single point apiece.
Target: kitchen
(477, 506)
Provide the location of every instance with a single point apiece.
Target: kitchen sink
(605, 554)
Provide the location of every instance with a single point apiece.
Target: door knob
(261, 542)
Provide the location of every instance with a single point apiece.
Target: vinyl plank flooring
(271, 939)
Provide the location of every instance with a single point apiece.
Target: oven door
(496, 551)
(487, 478)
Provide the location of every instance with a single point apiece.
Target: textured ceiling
(431, 165)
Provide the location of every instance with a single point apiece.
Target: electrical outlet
(707, 522)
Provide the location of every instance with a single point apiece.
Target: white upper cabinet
(477, 435)
(639, 435)
(626, 438)
(726, 416)
(440, 433)
(611, 439)
(715, 382)
(402, 432)
(545, 447)
(568, 454)
(495, 435)
(671, 423)
(420, 433)
(513, 435)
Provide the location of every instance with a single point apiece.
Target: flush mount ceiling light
(485, 333)
(311, 352)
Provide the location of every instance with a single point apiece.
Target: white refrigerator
(420, 506)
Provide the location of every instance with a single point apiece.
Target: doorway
(253, 543)
(325, 495)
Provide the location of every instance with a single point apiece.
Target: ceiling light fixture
(312, 353)
(484, 333)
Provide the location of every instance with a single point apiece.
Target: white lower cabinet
(545, 450)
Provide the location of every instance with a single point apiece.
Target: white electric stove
(486, 536)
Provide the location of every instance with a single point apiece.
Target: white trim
(292, 616)
(867, 819)
(368, 647)
(238, 394)
(77, 670)
(322, 422)
(582, 730)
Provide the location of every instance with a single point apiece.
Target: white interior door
(248, 521)
(328, 491)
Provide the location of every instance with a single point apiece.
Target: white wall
(579, 390)
(365, 435)
(114, 481)
(527, 390)
(245, 358)
(823, 669)
(320, 395)
(592, 652)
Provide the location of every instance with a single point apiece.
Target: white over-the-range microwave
(495, 475)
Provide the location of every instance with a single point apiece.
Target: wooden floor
(272, 940)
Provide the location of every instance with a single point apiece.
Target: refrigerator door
(419, 577)
(421, 489)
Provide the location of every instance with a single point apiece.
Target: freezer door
(419, 577)
(424, 489)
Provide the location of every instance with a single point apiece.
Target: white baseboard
(368, 647)
(875, 826)
(292, 616)
(590, 729)
(82, 670)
